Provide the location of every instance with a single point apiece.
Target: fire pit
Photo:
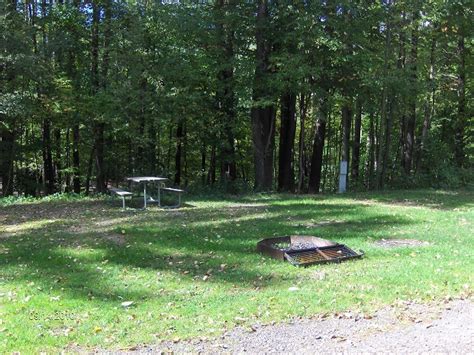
(300, 250)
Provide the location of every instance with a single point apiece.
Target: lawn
(82, 274)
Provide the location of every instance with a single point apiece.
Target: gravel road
(406, 328)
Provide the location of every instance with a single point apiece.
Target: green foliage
(192, 65)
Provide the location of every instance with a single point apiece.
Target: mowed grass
(67, 267)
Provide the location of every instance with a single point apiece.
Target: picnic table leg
(144, 195)
(123, 202)
(159, 195)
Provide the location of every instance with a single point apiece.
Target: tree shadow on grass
(429, 198)
(187, 247)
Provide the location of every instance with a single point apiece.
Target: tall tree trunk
(286, 174)
(76, 160)
(429, 105)
(226, 98)
(90, 164)
(301, 153)
(263, 113)
(211, 175)
(101, 184)
(346, 113)
(461, 120)
(318, 146)
(385, 129)
(6, 159)
(57, 159)
(356, 143)
(95, 82)
(203, 164)
(409, 138)
(48, 169)
(371, 153)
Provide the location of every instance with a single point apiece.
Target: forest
(235, 95)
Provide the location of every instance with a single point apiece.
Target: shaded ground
(66, 267)
(406, 328)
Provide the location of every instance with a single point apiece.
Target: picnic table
(147, 179)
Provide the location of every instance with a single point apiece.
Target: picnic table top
(146, 178)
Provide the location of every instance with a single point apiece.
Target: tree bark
(301, 153)
(211, 174)
(371, 153)
(48, 169)
(263, 112)
(409, 134)
(286, 178)
(318, 147)
(356, 143)
(461, 121)
(95, 81)
(346, 113)
(385, 129)
(76, 160)
(58, 159)
(429, 106)
(6, 160)
(226, 98)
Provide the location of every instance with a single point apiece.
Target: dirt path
(447, 328)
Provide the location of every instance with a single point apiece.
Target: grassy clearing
(67, 266)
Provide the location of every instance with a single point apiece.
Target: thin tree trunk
(57, 159)
(356, 143)
(48, 169)
(170, 145)
(461, 121)
(89, 170)
(318, 146)
(429, 105)
(286, 177)
(226, 98)
(67, 177)
(99, 158)
(6, 158)
(371, 153)
(76, 159)
(203, 164)
(95, 80)
(211, 175)
(409, 138)
(301, 153)
(385, 129)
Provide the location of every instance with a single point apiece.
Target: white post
(144, 195)
(343, 176)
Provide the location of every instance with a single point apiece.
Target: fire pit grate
(306, 250)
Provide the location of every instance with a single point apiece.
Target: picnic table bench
(120, 193)
(173, 190)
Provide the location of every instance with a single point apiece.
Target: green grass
(66, 266)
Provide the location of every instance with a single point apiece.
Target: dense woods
(235, 95)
